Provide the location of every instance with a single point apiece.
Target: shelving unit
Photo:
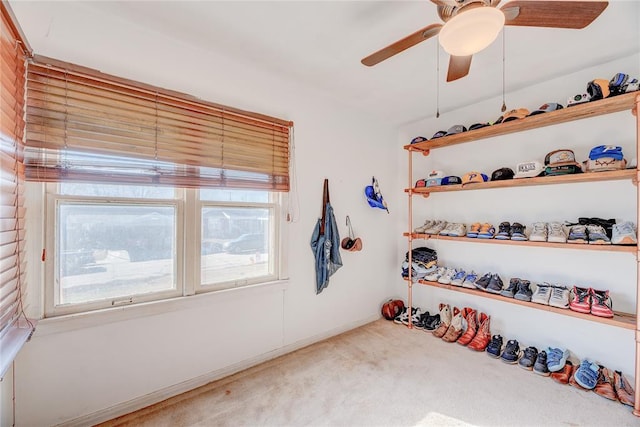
(630, 101)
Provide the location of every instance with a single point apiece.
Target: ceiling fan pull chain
(504, 104)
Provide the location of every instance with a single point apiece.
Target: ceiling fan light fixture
(471, 31)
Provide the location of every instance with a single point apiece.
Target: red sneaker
(472, 327)
(482, 338)
(581, 300)
(601, 303)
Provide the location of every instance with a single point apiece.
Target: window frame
(188, 248)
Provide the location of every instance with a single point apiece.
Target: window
(151, 194)
(113, 245)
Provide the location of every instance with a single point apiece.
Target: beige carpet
(384, 374)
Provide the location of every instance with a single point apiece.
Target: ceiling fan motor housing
(448, 12)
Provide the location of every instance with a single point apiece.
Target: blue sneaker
(556, 358)
(529, 358)
(587, 374)
(470, 280)
(458, 278)
(495, 346)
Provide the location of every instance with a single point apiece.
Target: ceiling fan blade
(553, 13)
(401, 45)
(458, 67)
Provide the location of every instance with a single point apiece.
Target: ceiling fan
(472, 25)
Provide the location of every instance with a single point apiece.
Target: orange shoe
(472, 327)
(623, 389)
(483, 336)
(604, 386)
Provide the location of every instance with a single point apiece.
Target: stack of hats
(436, 178)
(605, 158)
(561, 162)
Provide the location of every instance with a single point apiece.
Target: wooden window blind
(88, 126)
(12, 177)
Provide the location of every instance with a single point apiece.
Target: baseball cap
(418, 139)
(478, 126)
(438, 134)
(451, 180)
(561, 162)
(518, 113)
(434, 178)
(545, 108)
(606, 151)
(474, 177)
(502, 174)
(528, 169)
(456, 129)
(421, 183)
(604, 164)
(598, 89)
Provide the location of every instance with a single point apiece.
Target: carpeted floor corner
(384, 374)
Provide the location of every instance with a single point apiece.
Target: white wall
(610, 346)
(79, 368)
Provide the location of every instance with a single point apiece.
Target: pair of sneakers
(511, 352)
(553, 232)
(507, 231)
(490, 282)
(481, 231)
(454, 229)
(461, 277)
(517, 285)
(403, 316)
(553, 295)
(593, 301)
(592, 234)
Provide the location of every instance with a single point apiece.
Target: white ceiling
(320, 44)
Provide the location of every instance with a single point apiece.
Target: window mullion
(191, 242)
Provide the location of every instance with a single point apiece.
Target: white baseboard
(174, 390)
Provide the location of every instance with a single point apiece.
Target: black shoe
(420, 323)
(512, 289)
(511, 352)
(432, 322)
(517, 232)
(495, 284)
(540, 367)
(504, 231)
(495, 346)
(483, 282)
(607, 224)
(524, 291)
(529, 358)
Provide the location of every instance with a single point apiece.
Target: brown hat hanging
(351, 243)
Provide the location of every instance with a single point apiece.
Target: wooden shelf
(632, 249)
(620, 320)
(581, 111)
(523, 182)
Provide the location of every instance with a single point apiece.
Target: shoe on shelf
(542, 293)
(470, 280)
(445, 321)
(556, 358)
(495, 284)
(577, 234)
(402, 316)
(587, 374)
(559, 297)
(472, 327)
(495, 346)
(474, 229)
(601, 303)
(435, 275)
(623, 389)
(604, 385)
(624, 233)
(458, 230)
(458, 278)
(447, 229)
(483, 282)
(540, 366)
(524, 291)
(556, 233)
(563, 375)
(511, 353)
(581, 301)
(421, 229)
(517, 232)
(436, 227)
(486, 231)
(455, 328)
(483, 336)
(431, 322)
(597, 235)
(511, 290)
(528, 358)
(538, 232)
(504, 231)
(446, 278)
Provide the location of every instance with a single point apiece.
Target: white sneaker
(428, 223)
(542, 294)
(446, 278)
(458, 230)
(556, 233)
(624, 233)
(436, 228)
(559, 297)
(446, 231)
(433, 277)
(470, 280)
(538, 232)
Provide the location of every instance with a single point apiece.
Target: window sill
(11, 343)
(71, 322)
